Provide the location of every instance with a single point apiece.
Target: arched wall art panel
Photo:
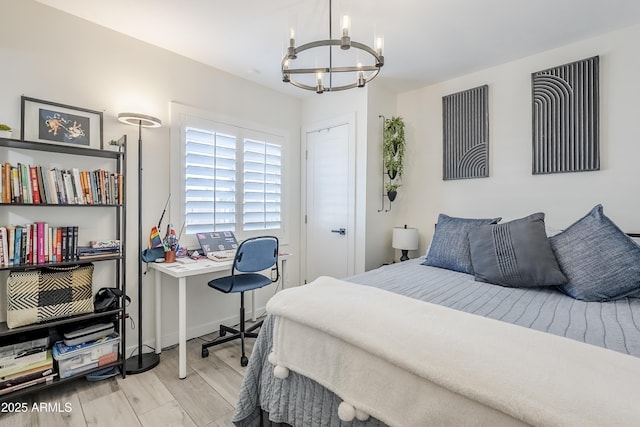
(465, 119)
(565, 118)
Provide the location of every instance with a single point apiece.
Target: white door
(329, 230)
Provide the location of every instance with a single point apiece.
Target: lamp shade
(143, 120)
(405, 238)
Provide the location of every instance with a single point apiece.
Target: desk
(181, 272)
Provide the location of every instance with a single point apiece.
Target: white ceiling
(425, 41)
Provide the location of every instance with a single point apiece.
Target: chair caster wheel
(205, 352)
(244, 361)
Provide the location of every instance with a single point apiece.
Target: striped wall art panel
(465, 118)
(565, 118)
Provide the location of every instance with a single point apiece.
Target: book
(35, 188)
(42, 186)
(69, 191)
(6, 182)
(17, 188)
(41, 242)
(74, 243)
(77, 186)
(21, 386)
(27, 196)
(23, 358)
(31, 249)
(62, 199)
(47, 243)
(59, 241)
(53, 191)
(14, 369)
(11, 243)
(24, 346)
(17, 246)
(23, 377)
(65, 245)
(4, 261)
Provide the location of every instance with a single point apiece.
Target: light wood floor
(206, 397)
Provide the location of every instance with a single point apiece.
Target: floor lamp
(141, 362)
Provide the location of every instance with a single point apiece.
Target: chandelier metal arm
(350, 69)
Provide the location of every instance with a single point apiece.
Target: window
(262, 185)
(232, 180)
(210, 181)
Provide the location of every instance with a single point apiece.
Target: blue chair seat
(240, 282)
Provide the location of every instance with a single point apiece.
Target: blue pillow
(515, 254)
(450, 244)
(600, 261)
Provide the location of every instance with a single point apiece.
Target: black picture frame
(59, 124)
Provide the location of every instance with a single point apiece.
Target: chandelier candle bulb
(345, 25)
(379, 45)
(319, 85)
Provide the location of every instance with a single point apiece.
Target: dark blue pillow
(450, 244)
(600, 261)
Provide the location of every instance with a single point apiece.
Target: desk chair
(253, 255)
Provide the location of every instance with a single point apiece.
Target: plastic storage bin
(79, 358)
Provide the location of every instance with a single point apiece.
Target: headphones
(107, 299)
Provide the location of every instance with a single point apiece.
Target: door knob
(340, 231)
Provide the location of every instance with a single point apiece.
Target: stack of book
(28, 184)
(25, 364)
(99, 249)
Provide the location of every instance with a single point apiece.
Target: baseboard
(193, 331)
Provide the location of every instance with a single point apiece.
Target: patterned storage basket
(36, 296)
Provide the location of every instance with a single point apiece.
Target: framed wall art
(465, 121)
(566, 124)
(54, 123)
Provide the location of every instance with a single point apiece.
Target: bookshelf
(84, 212)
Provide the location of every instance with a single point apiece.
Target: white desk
(181, 272)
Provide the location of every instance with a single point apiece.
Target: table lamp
(405, 239)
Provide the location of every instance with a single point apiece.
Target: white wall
(512, 191)
(50, 55)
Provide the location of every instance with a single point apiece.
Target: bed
(427, 345)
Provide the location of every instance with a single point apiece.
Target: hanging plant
(393, 146)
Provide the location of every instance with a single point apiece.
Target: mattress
(300, 401)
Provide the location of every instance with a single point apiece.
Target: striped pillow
(515, 254)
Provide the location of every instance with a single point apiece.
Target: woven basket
(37, 296)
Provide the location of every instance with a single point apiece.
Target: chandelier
(338, 73)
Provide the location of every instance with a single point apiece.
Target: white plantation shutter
(210, 181)
(262, 186)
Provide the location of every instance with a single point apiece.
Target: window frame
(192, 118)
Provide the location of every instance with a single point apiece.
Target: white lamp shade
(405, 238)
(142, 120)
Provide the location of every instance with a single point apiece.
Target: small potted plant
(114, 145)
(392, 190)
(5, 131)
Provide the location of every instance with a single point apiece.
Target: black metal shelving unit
(55, 327)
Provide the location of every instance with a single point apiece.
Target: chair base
(240, 334)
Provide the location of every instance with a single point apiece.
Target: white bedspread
(407, 362)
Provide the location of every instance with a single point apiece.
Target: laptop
(218, 245)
